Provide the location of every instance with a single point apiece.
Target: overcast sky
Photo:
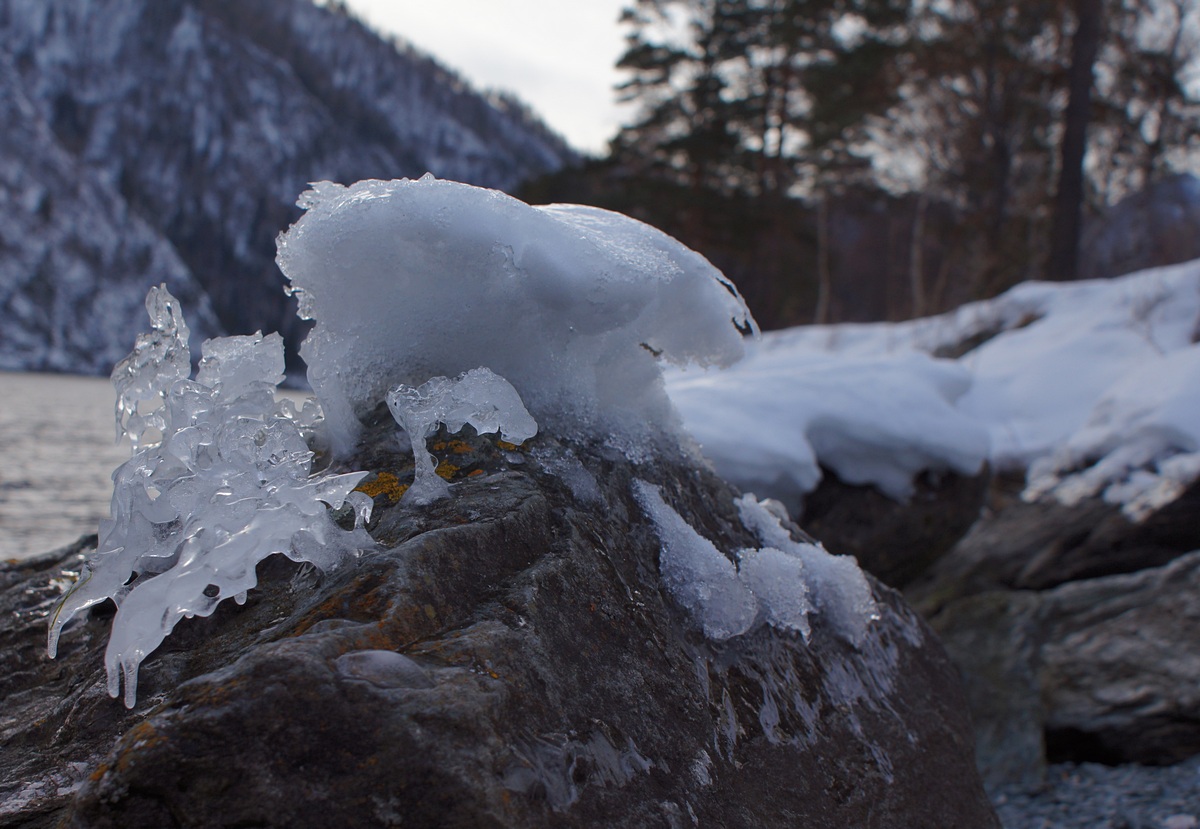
(555, 55)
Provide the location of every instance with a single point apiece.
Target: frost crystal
(479, 397)
(838, 589)
(696, 573)
(225, 486)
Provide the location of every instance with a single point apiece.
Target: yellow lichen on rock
(384, 483)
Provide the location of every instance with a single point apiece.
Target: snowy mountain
(170, 139)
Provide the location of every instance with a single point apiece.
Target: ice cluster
(781, 584)
(220, 478)
(478, 397)
(574, 306)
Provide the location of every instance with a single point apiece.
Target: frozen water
(225, 485)
(158, 359)
(574, 306)
(478, 397)
(697, 574)
(836, 585)
(781, 583)
(778, 581)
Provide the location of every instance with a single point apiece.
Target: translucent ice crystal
(696, 573)
(836, 585)
(479, 397)
(158, 359)
(226, 484)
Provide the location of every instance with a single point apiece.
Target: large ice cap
(408, 280)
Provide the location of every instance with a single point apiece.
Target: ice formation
(219, 480)
(478, 397)
(781, 583)
(696, 573)
(408, 280)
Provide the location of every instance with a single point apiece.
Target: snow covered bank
(1091, 386)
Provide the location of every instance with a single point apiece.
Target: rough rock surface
(895, 542)
(507, 657)
(1101, 669)
(1039, 545)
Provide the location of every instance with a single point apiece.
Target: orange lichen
(384, 483)
(475, 473)
(504, 444)
(446, 470)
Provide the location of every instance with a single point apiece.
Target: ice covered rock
(575, 306)
(479, 397)
(508, 657)
(219, 480)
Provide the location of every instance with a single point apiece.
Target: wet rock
(895, 541)
(506, 658)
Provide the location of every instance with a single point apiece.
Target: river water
(57, 455)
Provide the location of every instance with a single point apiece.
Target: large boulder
(1097, 670)
(507, 657)
(1045, 543)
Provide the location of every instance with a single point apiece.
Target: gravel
(1089, 795)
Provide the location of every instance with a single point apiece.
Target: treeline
(868, 159)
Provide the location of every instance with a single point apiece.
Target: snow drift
(1093, 387)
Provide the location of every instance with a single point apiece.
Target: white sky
(555, 55)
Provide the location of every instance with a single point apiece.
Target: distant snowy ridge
(165, 140)
(1094, 387)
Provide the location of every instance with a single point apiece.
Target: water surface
(57, 454)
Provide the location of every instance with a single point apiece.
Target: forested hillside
(169, 139)
(879, 159)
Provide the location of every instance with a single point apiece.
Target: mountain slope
(208, 117)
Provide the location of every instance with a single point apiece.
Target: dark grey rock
(1098, 670)
(895, 541)
(1120, 671)
(1039, 545)
(995, 640)
(506, 658)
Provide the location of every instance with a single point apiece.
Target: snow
(780, 584)
(696, 574)
(478, 397)
(1091, 386)
(574, 306)
(219, 480)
